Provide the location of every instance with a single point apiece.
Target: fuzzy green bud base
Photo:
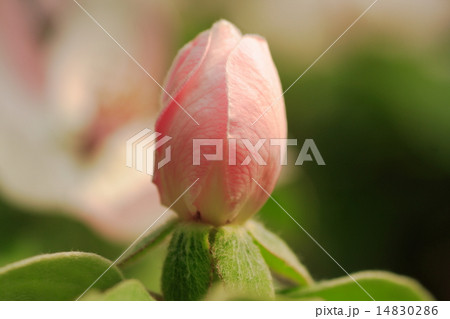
(233, 260)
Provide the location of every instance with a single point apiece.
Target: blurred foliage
(127, 290)
(381, 119)
(382, 286)
(59, 276)
(24, 235)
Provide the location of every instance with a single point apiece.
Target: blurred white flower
(69, 100)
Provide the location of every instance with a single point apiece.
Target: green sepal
(381, 285)
(187, 272)
(239, 264)
(278, 256)
(59, 276)
(127, 290)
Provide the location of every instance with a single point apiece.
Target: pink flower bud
(225, 81)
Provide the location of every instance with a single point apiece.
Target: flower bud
(225, 81)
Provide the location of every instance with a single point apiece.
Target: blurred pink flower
(70, 98)
(225, 80)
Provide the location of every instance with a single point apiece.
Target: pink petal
(253, 86)
(232, 81)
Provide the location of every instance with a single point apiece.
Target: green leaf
(187, 272)
(382, 286)
(278, 256)
(128, 290)
(239, 264)
(148, 242)
(59, 276)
